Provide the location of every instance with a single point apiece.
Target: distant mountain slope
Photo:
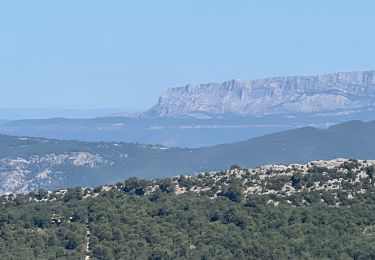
(29, 163)
(176, 132)
(200, 115)
(278, 95)
(354, 139)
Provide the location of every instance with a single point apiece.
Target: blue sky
(123, 54)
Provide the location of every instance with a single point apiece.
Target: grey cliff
(277, 95)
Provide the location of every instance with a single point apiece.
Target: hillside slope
(321, 210)
(29, 163)
(354, 139)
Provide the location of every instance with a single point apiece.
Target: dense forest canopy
(143, 219)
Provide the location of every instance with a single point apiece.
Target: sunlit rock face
(23, 175)
(279, 95)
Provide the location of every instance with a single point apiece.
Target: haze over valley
(200, 115)
(178, 130)
(28, 164)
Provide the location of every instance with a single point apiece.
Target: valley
(29, 163)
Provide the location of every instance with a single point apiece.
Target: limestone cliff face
(298, 94)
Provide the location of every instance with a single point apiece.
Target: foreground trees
(127, 224)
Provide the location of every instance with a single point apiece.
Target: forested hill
(27, 163)
(321, 210)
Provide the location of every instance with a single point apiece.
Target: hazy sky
(123, 54)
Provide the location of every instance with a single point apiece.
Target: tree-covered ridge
(209, 216)
(344, 179)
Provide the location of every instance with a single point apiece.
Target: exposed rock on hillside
(278, 95)
(282, 181)
(297, 184)
(24, 175)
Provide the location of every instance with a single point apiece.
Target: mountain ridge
(275, 95)
(30, 163)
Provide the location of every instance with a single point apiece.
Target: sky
(92, 54)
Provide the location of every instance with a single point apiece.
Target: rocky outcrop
(278, 95)
(345, 179)
(22, 175)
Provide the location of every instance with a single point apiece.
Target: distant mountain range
(278, 95)
(200, 115)
(176, 132)
(173, 132)
(29, 163)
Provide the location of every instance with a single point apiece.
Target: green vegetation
(126, 221)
